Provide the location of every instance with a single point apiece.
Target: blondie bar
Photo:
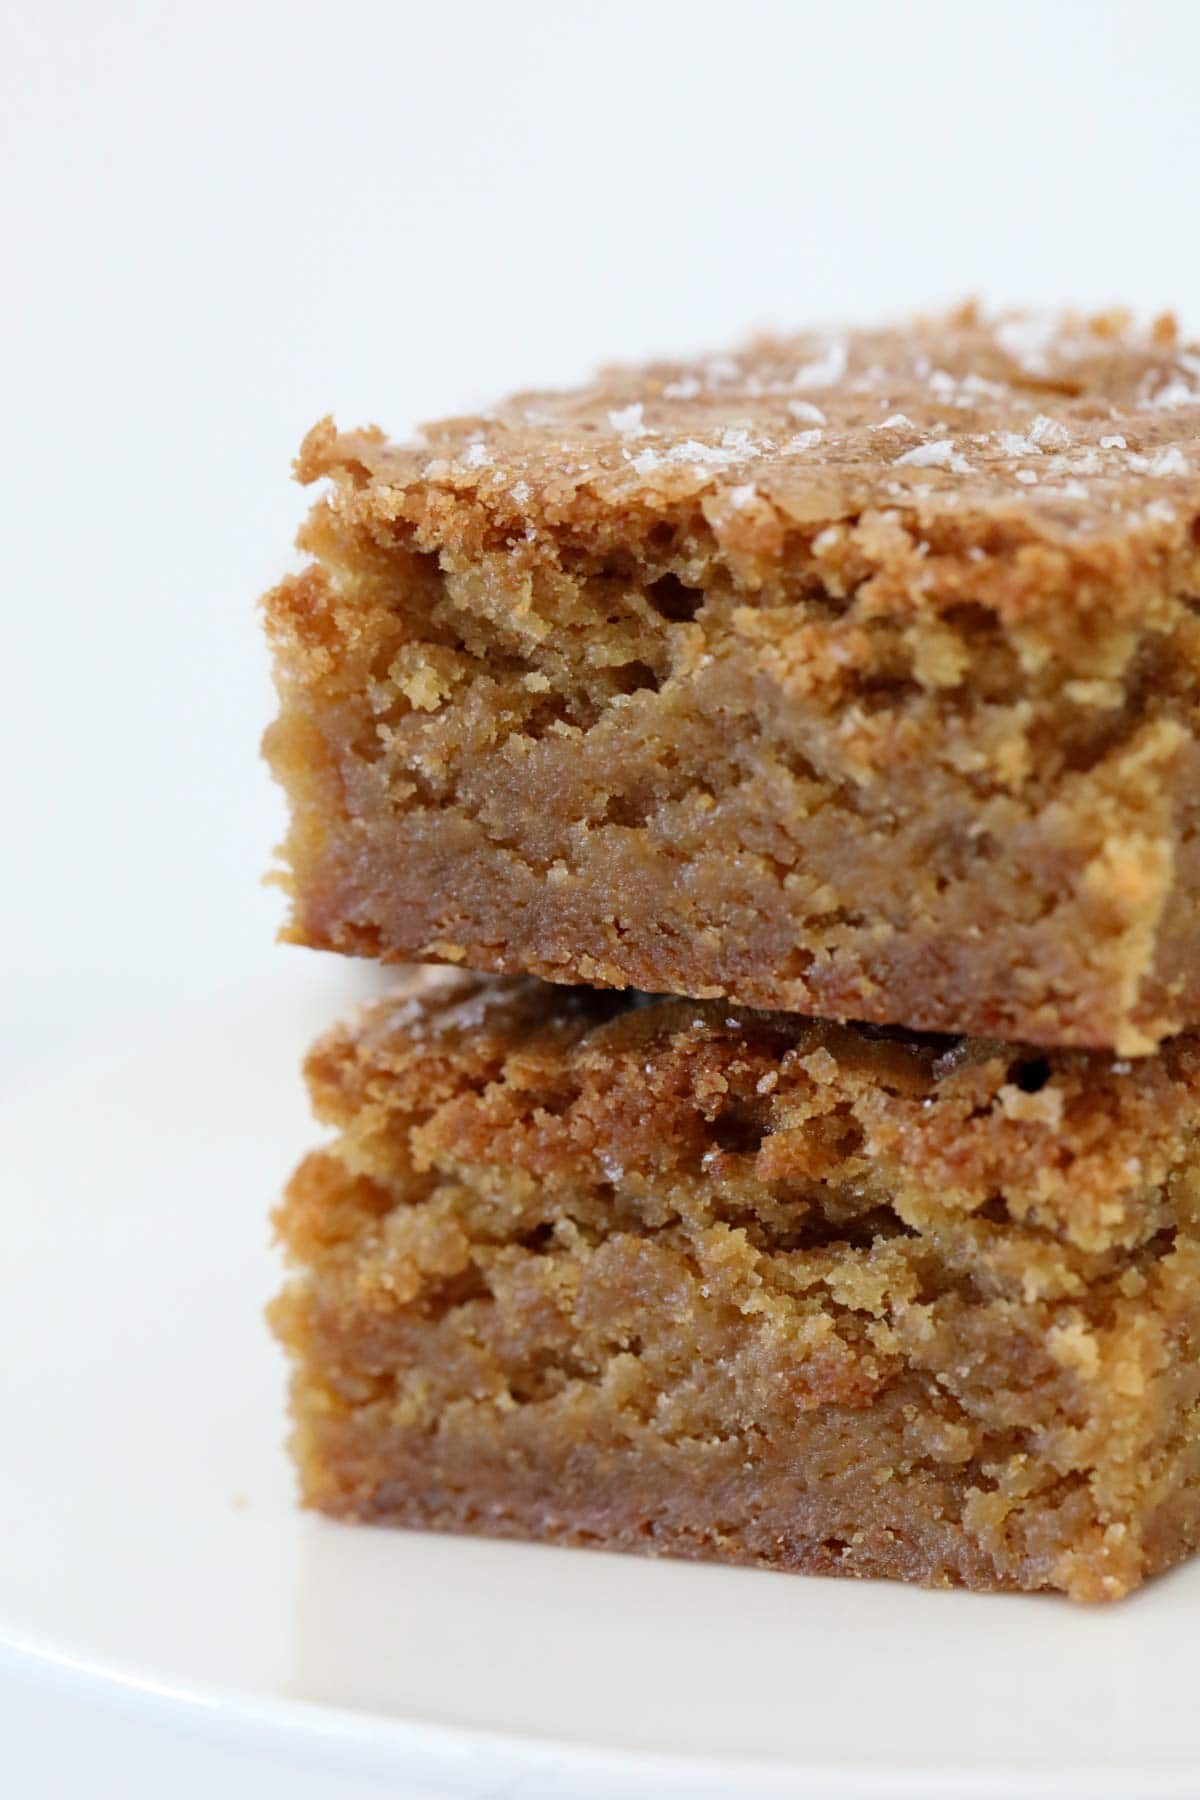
(677, 1278)
(853, 675)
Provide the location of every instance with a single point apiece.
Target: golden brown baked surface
(682, 1279)
(854, 676)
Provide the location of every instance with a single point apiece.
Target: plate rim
(468, 1762)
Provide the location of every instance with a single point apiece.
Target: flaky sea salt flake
(940, 454)
(1173, 394)
(708, 456)
(1049, 433)
(686, 388)
(823, 371)
(946, 388)
(627, 421)
(1084, 462)
(1028, 339)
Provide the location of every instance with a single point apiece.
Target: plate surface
(151, 1549)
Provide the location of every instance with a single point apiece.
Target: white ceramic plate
(150, 1549)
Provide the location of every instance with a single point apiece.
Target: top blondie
(853, 674)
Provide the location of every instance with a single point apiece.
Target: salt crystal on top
(940, 454)
(1028, 340)
(974, 428)
(1173, 394)
(1166, 461)
(1013, 443)
(734, 448)
(823, 371)
(1049, 432)
(942, 384)
(627, 421)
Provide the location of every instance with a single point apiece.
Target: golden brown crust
(731, 1284)
(1056, 456)
(583, 690)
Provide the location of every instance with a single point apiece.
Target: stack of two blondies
(708, 710)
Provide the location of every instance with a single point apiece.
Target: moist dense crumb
(685, 1278)
(852, 674)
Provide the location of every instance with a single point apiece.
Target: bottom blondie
(695, 1280)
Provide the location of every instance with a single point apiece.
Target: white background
(219, 221)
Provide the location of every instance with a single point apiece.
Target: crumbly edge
(898, 678)
(917, 554)
(511, 1172)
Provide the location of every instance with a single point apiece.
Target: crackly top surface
(985, 432)
(574, 1084)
